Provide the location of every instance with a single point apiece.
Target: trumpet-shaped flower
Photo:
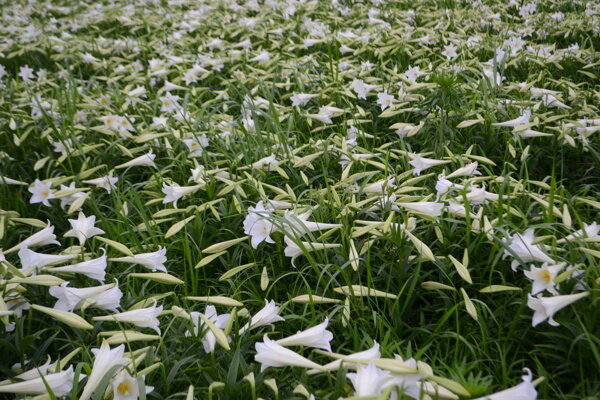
(523, 391)
(142, 317)
(93, 269)
(370, 354)
(106, 182)
(318, 337)
(420, 164)
(60, 383)
(300, 224)
(145, 160)
(268, 315)
(368, 380)
(545, 307)
(30, 260)
(175, 192)
(153, 261)
(522, 246)
(106, 297)
(83, 228)
(430, 208)
(271, 354)
(40, 238)
(104, 361)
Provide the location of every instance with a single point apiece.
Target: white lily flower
(318, 337)
(93, 269)
(301, 99)
(175, 192)
(209, 340)
(153, 261)
(270, 354)
(106, 297)
(104, 360)
(368, 380)
(545, 307)
(145, 160)
(258, 225)
(142, 317)
(588, 231)
(521, 120)
(380, 186)
(369, 354)
(106, 182)
(40, 238)
(300, 224)
(431, 208)
(522, 246)
(270, 162)
(523, 391)
(443, 185)
(268, 315)
(42, 192)
(30, 260)
(83, 228)
(468, 170)
(60, 383)
(126, 387)
(543, 277)
(421, 163)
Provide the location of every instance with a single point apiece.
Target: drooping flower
(522, 246)
(318, 337)
(271, 354)
(153, 261)
(523, 391)
(83, 228)
(106, 297)
(105, 359)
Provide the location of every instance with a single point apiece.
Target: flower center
(124, 388)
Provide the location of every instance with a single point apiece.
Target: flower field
(293, 199)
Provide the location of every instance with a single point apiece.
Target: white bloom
(467, 170)
(521, 120)
(380, 186)
(545, 307)
(42, 192)
(385, 100)
(301, 99)
(125, 387)
(142, 317)
(32, 260)
(543, 278)
(153, 261)
(106, 297)
(196, 145)
(588, 231)
(318, 337)
(421, 163)
(369, 354)
(523, 391)
(93, 269)
(68, 200)
(83, 228)
(257, 224)
(268, 315)
(522, 246)
(40, 238)
(104, 360)
(269, 161)
(413, 73)
(368, 380)
(270, 354)
(145, 160)
(60, 383)
(107, 182)
(169, 103)
(430, 208)
(449, 52)
(175, 192)
(198, 175)
(443, 185)
(263, 57)
(209, 340)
